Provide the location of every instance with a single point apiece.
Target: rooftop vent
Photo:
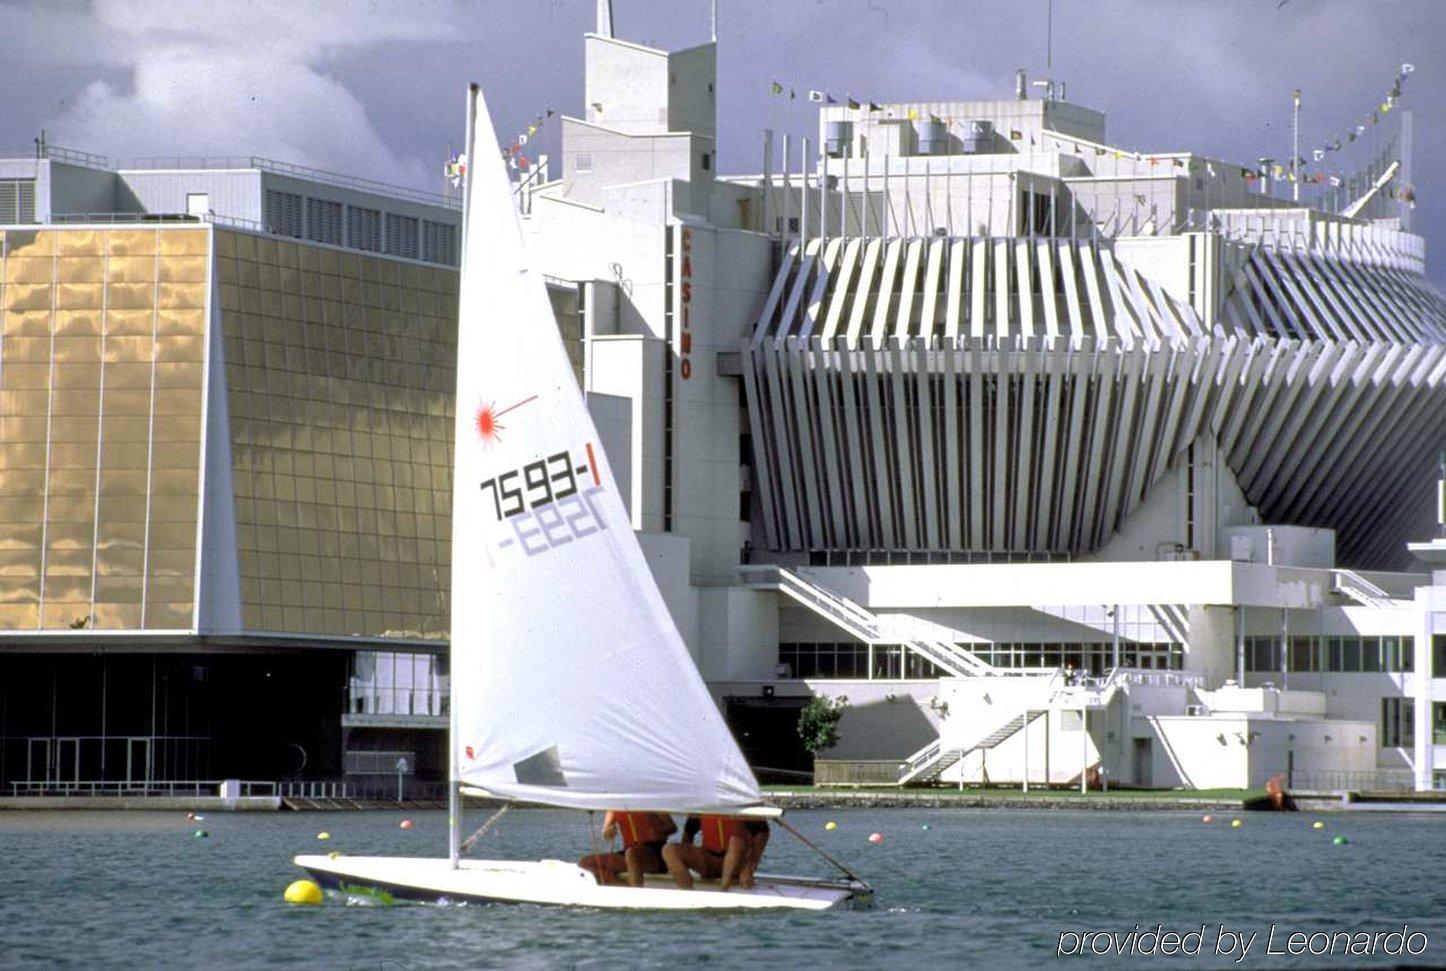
(838, 138)
(933, 136)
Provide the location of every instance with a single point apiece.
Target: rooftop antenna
(713, 18)
(605, 18)
(1049, 40)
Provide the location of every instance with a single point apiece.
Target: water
(978, 887)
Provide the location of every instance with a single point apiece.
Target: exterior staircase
(861, 622)
(1353, 586)
(931, 761)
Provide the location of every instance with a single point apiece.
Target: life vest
(638, 829)
(718, 830)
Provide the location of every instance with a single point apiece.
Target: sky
(375, 87)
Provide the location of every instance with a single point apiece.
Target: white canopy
(571, 684)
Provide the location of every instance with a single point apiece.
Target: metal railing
(373, 186)
(1381, 780)
(123, 217)
(1359, 589)
(857, 772)
(58, 154)
(154, 787)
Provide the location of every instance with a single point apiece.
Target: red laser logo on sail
(489, 429)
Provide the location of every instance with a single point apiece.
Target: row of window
(850, 659)
(359, 227)
(1335, 655)
(1087, 658)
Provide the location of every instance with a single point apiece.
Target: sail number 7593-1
(539, 483)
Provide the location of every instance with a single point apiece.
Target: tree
(818, 723)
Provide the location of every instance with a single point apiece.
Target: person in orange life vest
(730, 851)
(643, 836)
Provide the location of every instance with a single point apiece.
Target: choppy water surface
(980, 887)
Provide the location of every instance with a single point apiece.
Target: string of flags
(1337, 143)
(1269, 168)
(513, 154)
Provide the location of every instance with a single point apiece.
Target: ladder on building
(861, 622)
(933, 760)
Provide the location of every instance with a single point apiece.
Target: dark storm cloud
(376, 88)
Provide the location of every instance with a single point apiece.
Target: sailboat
(571, 686)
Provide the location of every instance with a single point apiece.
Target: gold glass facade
(340, 377)
(102, 350)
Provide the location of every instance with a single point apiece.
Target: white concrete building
(1004, 431)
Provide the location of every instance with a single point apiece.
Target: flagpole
(1295, 138)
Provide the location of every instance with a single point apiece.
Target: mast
(454, 770)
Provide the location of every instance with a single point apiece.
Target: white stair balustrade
(862, 623)
(933, 760)
(1355, 587)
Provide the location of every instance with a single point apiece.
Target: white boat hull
(561, 883)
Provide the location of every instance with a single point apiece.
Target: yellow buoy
(1236, 824)
(303, 892)
(323, 836)
(1317, 825)
(333, 855)
(830, 825)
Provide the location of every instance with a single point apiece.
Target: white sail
(571, 684)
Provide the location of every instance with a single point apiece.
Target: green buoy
(1340, 841)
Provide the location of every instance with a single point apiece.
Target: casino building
(1063, 462)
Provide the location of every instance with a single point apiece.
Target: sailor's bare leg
(681, 857)
(604, 866)
(733, 860)
(675, 858)
(641, 860)
(750, 865)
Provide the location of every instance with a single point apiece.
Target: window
(323, 221)
(707, 162)
(364, 228)
(402, 235)
(283, 213)
(1334, 655)
(583, 162)
(17, 201)
(1398, 722)
(439, 243)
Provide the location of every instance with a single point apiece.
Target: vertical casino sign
(685, 335)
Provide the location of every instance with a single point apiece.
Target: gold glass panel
(23, 269)
(169, 616)
(131, 296)
(183, 242)
(130, 269)
(130, 242)
(80, 242)
(26, 323)
(57, 614)
(117, 616)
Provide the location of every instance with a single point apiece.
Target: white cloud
(241, 79)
